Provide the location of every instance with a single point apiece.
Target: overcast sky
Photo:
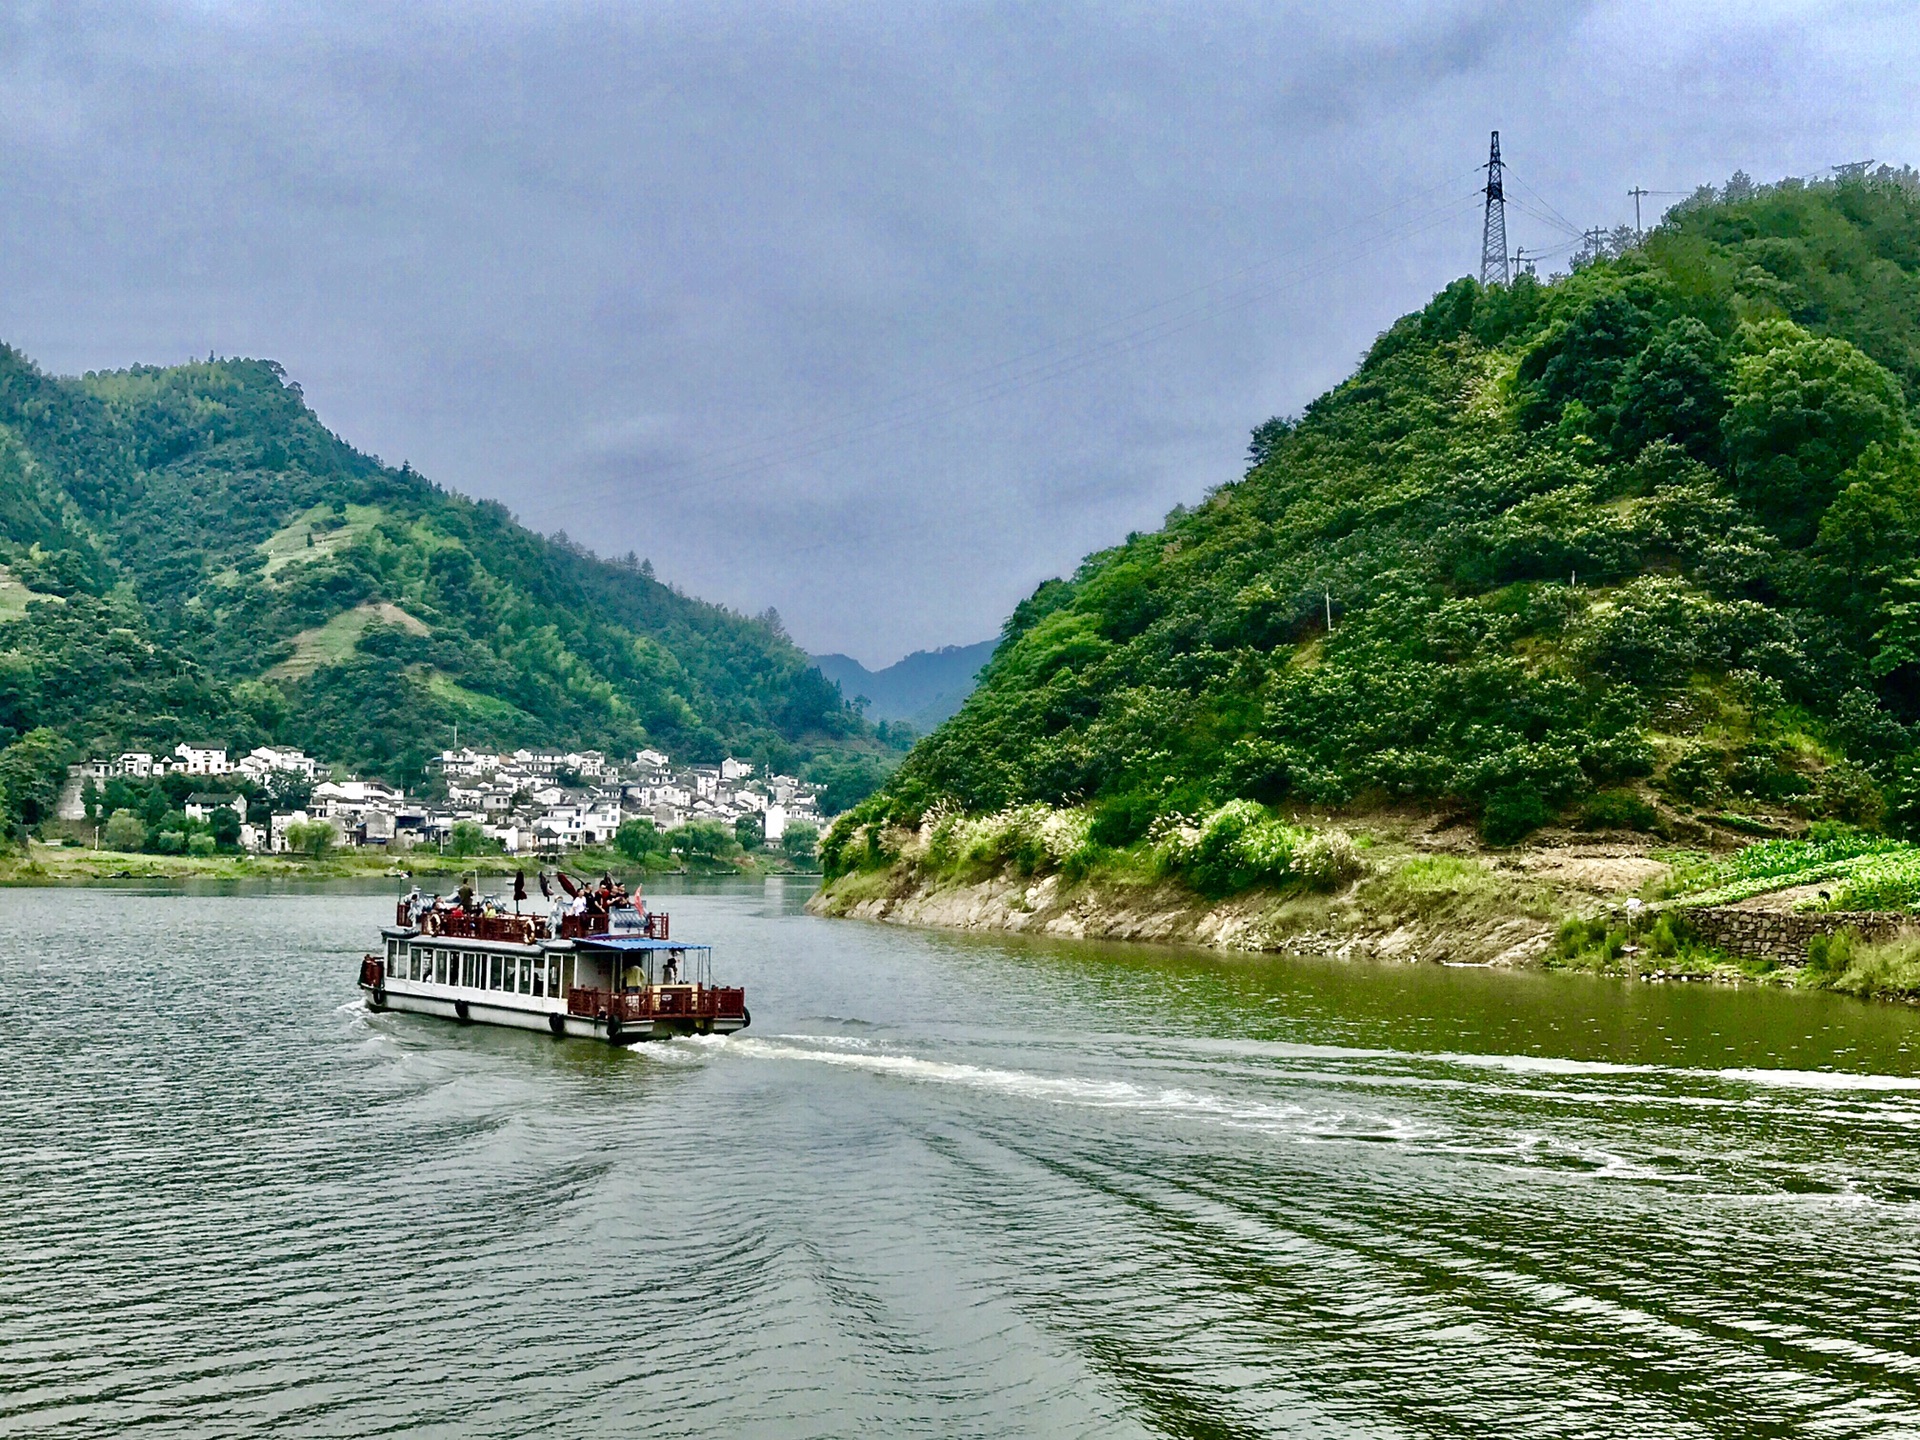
(875, 313)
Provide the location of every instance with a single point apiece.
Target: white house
(200, 805)
(571, 826)
(134, 762)
(651, 760)
(467, 762)
(202, 758)
(350, 799)
(732, 769)
(267, 760)
(775, 823)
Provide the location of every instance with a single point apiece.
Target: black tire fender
(379, 997)
(460, 1010)
(558, 1025)
(614, 1028)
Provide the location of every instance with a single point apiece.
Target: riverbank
(43, 864)
(1420, 890)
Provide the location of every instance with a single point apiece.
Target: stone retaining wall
(1782, 936)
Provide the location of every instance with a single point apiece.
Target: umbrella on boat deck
(546, 890)
(566, 883)
(519, 889)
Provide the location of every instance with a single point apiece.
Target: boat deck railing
(659, 1002)
(523, 929)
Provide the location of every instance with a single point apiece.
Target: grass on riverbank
(43, 864)
(1889, 970)
(1664, 946)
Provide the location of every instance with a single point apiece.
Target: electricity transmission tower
(1493, 235)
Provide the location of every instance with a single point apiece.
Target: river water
(945, 1186)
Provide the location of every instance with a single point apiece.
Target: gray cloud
(847, 309)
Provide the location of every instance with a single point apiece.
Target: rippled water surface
(943, 1187)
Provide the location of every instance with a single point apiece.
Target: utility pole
(1636, 192)
(1493, 233)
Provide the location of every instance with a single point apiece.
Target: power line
(1636, 192)
(1556, 217)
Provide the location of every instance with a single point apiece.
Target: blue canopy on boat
(635, 942)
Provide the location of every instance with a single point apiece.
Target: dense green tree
(467, 838)
(800, 841)
(1675, 390)
(124, 831)
(639, 838)
(749, 832)
(32, 770)
(311, 837)
(701, 838)
(1801, 410)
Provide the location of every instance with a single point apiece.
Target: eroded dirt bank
(1446, 900)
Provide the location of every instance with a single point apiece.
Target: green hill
(188, 552)
(1644, 539)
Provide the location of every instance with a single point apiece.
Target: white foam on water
(1274, 1117)
(1821, 1079)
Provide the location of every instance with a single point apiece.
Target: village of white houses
(529, 802)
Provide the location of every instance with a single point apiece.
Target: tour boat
(598, 971)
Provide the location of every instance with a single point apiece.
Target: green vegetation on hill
(188, 553)
(1647, 533)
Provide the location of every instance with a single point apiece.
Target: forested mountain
(921, 690)
(1650, 530)
(187, 552)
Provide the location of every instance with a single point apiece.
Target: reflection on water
(945, 1186)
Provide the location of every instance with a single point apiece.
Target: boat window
(493, 972)
(413, 962)
(441, 959)
(522, 986)
(553, 975)
(539, 977)
(470, 964)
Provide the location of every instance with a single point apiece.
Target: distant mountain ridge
(924, 689)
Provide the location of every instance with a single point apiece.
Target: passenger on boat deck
(579, 905)
(635, 977)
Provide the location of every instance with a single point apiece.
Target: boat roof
(636, 942)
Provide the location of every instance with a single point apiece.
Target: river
(945, 1186)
